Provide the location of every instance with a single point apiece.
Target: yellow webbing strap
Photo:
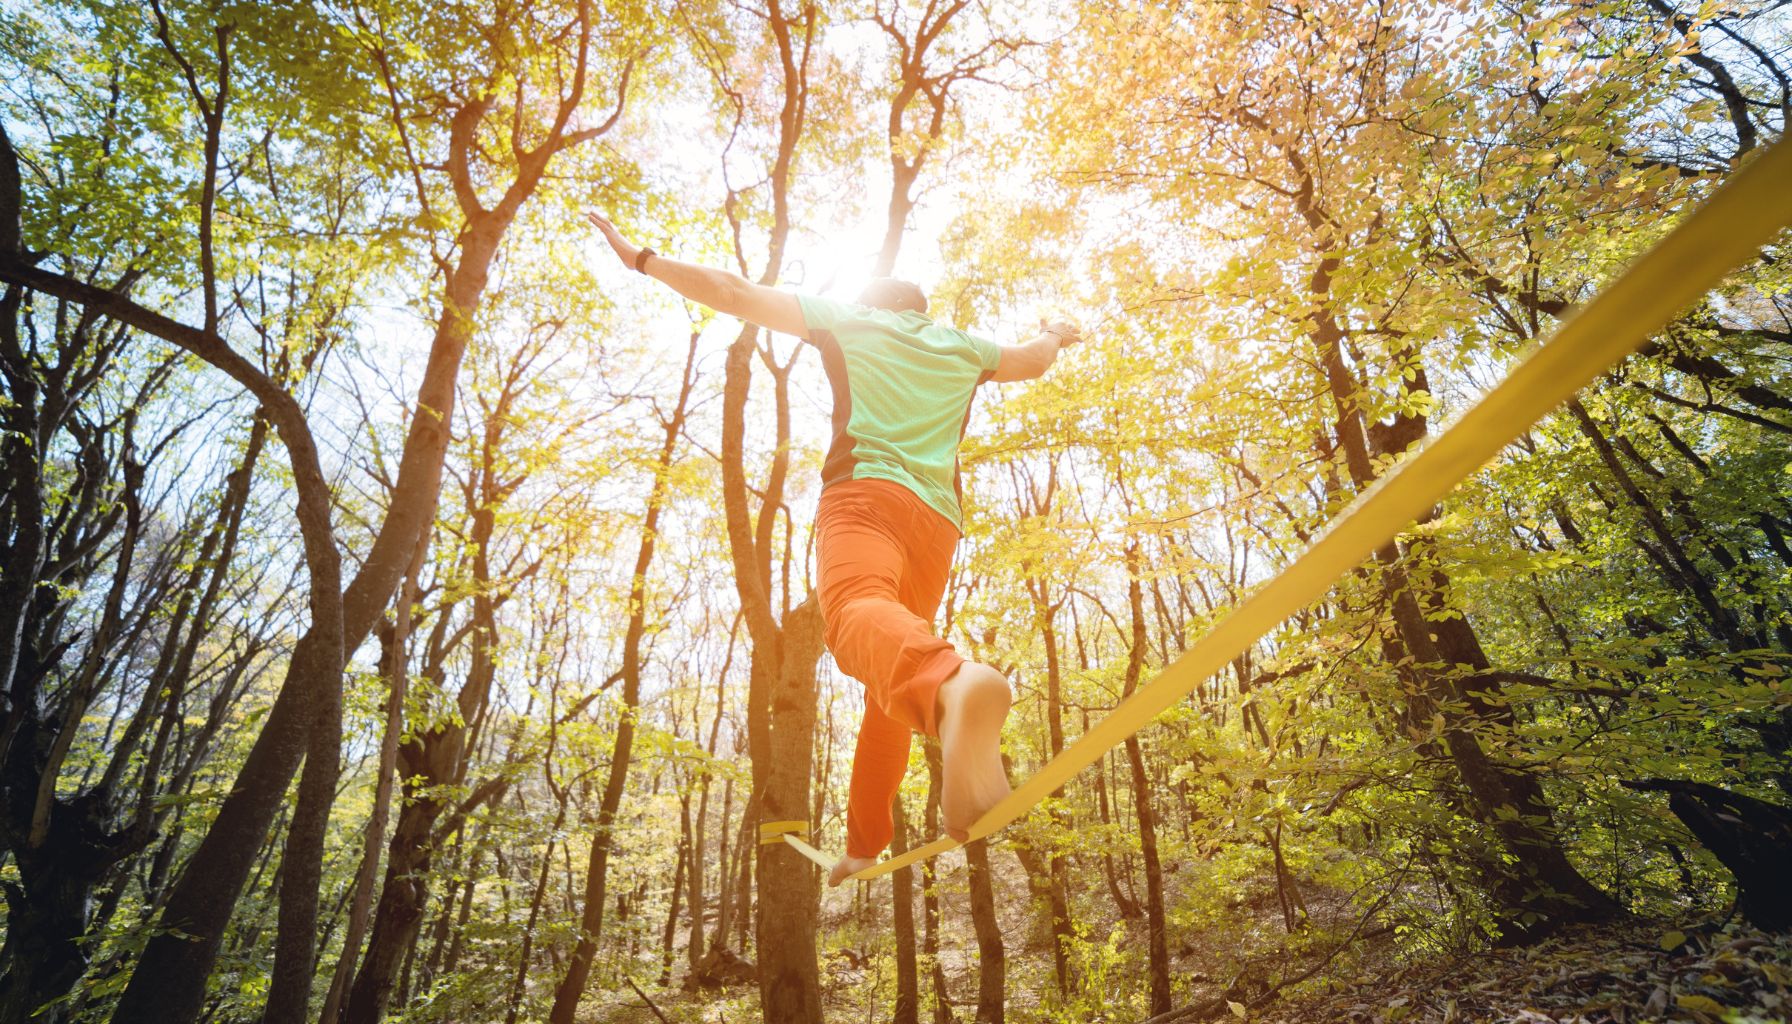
(1726, 231)
(821, 859)
(773, 832)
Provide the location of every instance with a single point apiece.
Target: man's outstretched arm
(1032, 358)
(720, 290)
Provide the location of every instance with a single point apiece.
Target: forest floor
(1704, 972)
(1623, 974)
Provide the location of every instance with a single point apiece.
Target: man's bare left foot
(847, 866)
(973, 704)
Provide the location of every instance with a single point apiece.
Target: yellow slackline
(1725, 232)
(821, 859)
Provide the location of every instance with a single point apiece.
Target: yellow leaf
(1700, 1004)
(1673, 940)
(1236, 1008)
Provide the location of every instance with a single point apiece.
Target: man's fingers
(1067, 332)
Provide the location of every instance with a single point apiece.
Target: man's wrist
(641, 259)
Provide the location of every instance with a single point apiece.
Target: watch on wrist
(641, 259)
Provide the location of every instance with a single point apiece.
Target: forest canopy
(408, 611)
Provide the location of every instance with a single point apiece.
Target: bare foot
(973, 704)
(847, 866)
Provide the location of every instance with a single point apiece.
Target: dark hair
(894, 294)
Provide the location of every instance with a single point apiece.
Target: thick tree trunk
(295, 940)
(781, 712)
(438, 757)
(395, 643)
(169, 981)
(789, 889)
(781, 678)
(67, 846)
(399, 914)
(46, 919)
(1751, 837)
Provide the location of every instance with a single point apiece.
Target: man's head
(893, 294)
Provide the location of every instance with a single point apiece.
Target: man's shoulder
(843, 319)
(821, 313)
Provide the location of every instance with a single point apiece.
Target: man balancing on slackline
(888, 523)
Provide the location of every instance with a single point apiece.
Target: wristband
(641, 260)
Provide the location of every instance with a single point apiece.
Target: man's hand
(1066, 331)
(1032, 359)
(626, 251)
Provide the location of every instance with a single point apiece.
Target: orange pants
(885, 555)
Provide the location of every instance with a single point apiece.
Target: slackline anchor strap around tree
(771, 832)
(1726, 231)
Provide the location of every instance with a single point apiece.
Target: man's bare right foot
(973, 703)
(846, 867)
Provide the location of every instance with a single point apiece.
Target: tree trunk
(400, 910)
(395, 641)
(169, 981)
(908, 987)
(694, 946)
(1751, 837)
(930, 900)
(44, 928)
(1545, 885)
(591, 924)
(992, 960)
(781, 712)
(781, 690)
(725, 873)
(678, 873)
(694, 835)
(1158, 949)
(1054, 876)
(1126, 906)
(536, 898)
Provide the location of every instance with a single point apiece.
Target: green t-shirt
(902, 395)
